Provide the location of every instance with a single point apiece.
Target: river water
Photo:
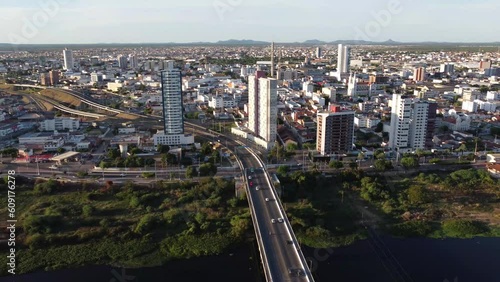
(385, 259)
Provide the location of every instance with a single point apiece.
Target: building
(60, 123)
(412, 124)
(343, 59)
(253, 100)
(447, 68)
(484, 65)
(122, 62)
(54, 77)
(133, 61)
(335, 131)
(96, 77)
(268, 110)
(44, 79)
(173, 122)
(457, 121)
(69, 64)
(318, 52)
(419, 74)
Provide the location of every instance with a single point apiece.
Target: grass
(129, 225)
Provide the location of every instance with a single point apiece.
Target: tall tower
(272, 60)
(122, 62)
(171, 91)
(343, 58)
(68, 59)
(335, 131)
(268, 109)
(253, 100)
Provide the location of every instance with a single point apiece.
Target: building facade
(335, 132)
(68, 59)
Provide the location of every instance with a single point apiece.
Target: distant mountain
(235, 42)
(240, 42)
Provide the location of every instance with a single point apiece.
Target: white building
(133, 61)
(470, 106)
(457, 121)
(221, 102)
(365, 122)
(343, 59)
(268, 109)
(410, 123)
(493, 96)
(122, 62)
(60, 123)
(68, 59)
(448, 68)
(96, 77)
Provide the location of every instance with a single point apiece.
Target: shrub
(463, 228)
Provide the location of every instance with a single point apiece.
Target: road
(279, 247)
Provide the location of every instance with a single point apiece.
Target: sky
(160, 21)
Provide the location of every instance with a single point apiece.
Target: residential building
(447, 68)
(60, 123)
(335, 131)
(343, 58)
(268, 110)
(253, 100)
(96, 77)
(133, 61)
(122, 62)
(412, 123)
(54, 77)
(68, 59)
(419, 74)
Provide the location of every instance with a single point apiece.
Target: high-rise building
(171, 89)
(419, 74)
(44, 79)
(173, 122)
(134, 63)
(272, 60)
(412, 123)
(344, 57)
(484, 65)
(268, 109)
(54, 77)
(122, 62)
(318, 52)
(253, 100)
(447, 68)
(96, 77)
(335, 131)
(69, 64)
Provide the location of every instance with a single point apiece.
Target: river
(385, 259)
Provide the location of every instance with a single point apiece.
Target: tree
(380, 127)
(87, 211)
(353, 165)
(283, 170)
(191, 172)
(409, 162)
(291, 147)
(382, 165)
(336, 164)
(462, 148)
(417, 195)
(162, 149)
(61, 150)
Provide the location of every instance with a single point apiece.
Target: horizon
(155, 22)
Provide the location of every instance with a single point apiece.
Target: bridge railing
(258, 234)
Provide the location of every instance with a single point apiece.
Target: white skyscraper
(68, 59)
(343, 59)
(171, 89)
(263, 107)
(412, 123)
(122, 62)
(268, 109)
(132, 60)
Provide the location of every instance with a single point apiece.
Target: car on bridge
(249, 177)
(273, 220)
(257, 188)
(251, 184)
(280, 220)
(267, 199)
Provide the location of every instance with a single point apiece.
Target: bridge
(281, 256)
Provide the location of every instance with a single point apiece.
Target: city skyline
(57, 22)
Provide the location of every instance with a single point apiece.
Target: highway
(281, 252)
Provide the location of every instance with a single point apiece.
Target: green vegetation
(65, 225)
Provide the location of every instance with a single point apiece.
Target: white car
(249, 177)
(257, 188)
(273, 220)
(267, 199)
(280, 220)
